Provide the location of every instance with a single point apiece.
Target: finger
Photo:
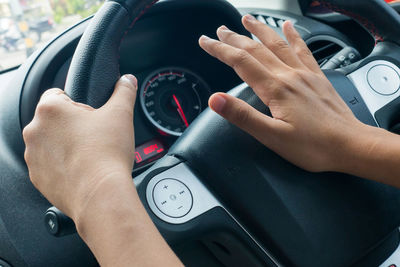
(256, 49)
(299, 46)
(246, 66)
(51, 102)
(52, 92)
(57, 94)
(272, 41)
(124, 95)
(245, 116)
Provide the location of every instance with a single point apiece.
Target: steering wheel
(278, 214)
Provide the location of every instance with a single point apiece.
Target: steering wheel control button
(177, 195)
(172, 197)
(57, 223)
(384, 80)
(51, 222)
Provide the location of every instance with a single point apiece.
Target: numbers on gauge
(172, 98)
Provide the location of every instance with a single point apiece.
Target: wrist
(115, 218)
(103, 195)
(359, 149)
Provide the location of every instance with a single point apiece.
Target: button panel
(378, 83)
(383, 79)
(177, 196)
(172, 197)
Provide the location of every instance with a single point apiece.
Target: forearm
(117, 229)
(373, 154)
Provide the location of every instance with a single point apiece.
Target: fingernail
(205, 38)
(218, 103)
(130, 79)
(249, 18)
(223, 30)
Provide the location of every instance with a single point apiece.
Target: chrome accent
(372, 99)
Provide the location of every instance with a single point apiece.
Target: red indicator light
(148, 152)
(150, 149)
(138, 158)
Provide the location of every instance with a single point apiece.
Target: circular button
(172, 197)
(383, 79)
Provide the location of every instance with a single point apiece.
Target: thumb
(124, 95)
(243, 115)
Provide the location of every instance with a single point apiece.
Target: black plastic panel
(388, 117)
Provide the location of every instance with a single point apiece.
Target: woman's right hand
(311, 126)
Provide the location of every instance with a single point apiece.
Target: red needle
(180, 111)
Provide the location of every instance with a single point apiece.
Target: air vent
(324, 48)
(272, 21)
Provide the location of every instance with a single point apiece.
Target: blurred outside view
(27, 25)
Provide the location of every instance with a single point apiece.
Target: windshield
(27, 25)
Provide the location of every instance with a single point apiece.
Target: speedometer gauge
(172, 98)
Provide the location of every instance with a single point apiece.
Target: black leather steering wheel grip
(95, 65)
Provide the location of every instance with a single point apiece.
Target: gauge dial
(172, 98)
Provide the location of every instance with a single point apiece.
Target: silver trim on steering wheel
(373, 98)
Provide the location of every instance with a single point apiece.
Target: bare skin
(81, 158)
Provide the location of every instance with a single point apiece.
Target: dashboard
(175, 80)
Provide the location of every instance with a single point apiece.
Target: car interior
(236, 203)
